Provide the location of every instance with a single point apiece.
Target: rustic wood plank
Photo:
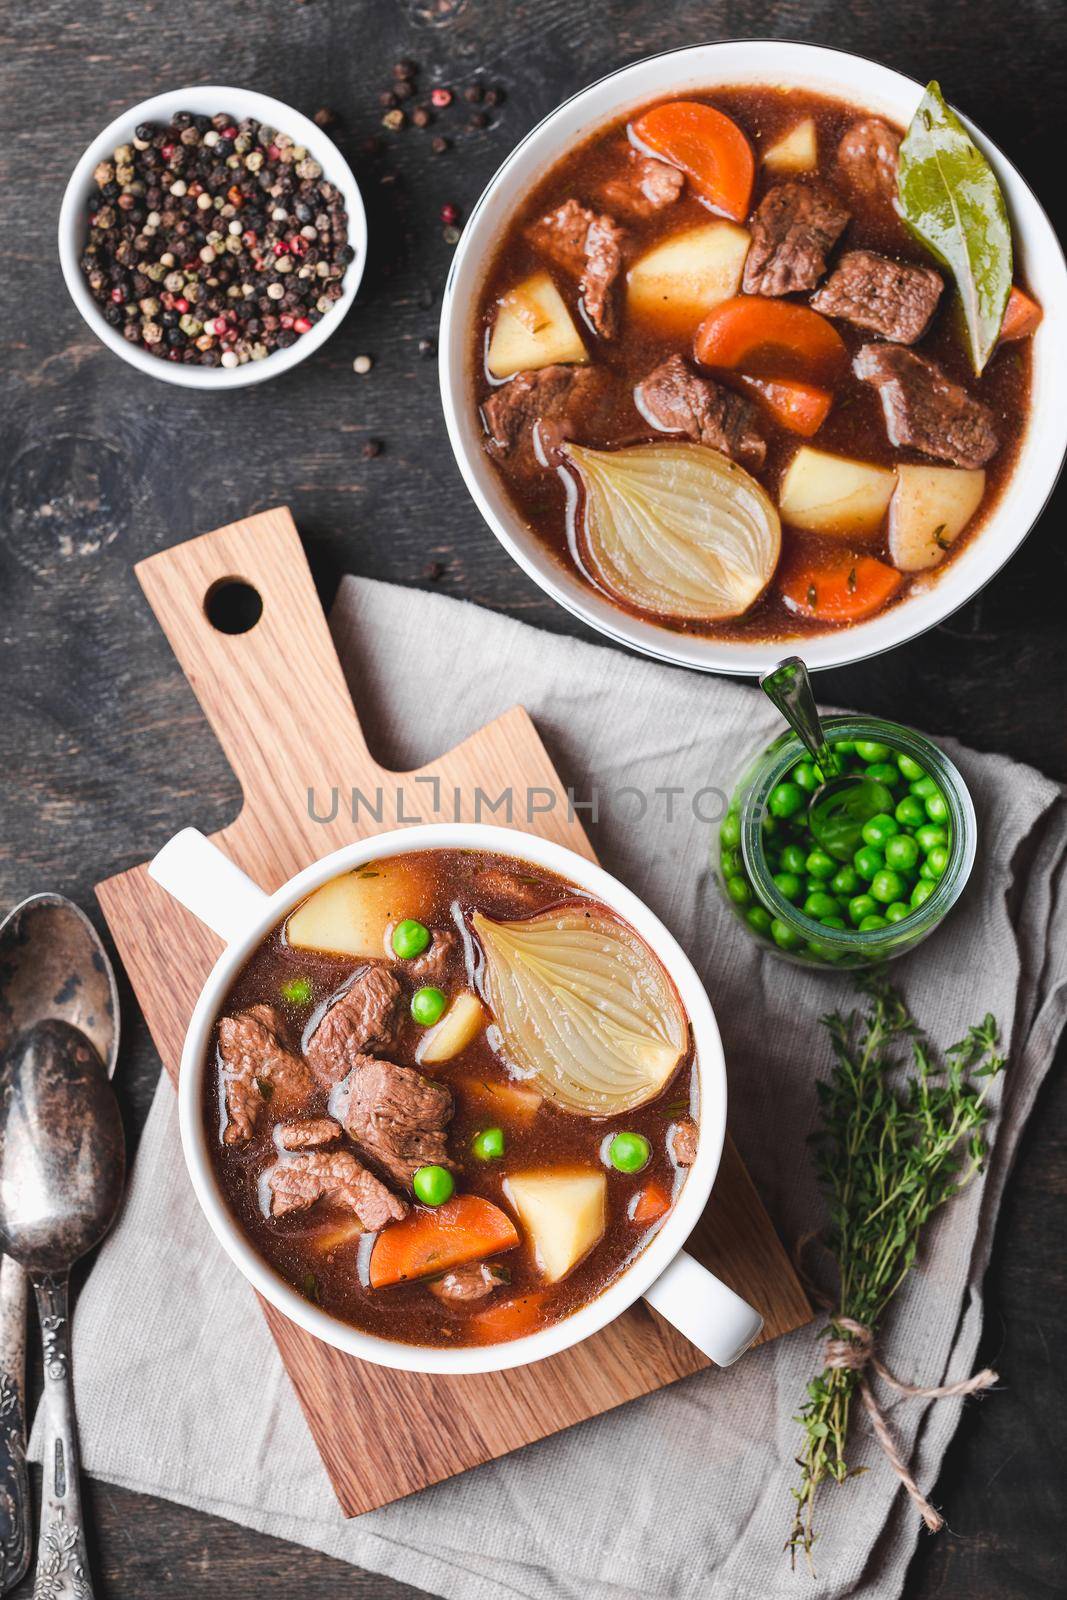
(255, 688)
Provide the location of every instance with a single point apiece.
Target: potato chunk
(458, 1028)
(795, 151)
(829, 494)
(563, 1212)
(930, 508)
(533, 329)
(676, 284)
(351, 915)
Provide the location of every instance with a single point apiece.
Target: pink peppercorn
(301, 325)
(248, 238)
(449, 213)
(441, 97)
(181, 304)
(166, 151)
(229, 133)
(273, 152)
(286, 319)
(118, 296)
(280, 247)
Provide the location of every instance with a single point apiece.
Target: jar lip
(782, 753)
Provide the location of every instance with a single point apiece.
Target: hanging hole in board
(232, 606)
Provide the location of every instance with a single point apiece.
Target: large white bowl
(709, 1313)
(869, 86)
(207, 100)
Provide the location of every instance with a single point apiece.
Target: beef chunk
(794, 227)
(528, 418)
(432, 965)
(396, 1115)
(924, 409)
(336, 1177)
(311, 1134)
(257, 1068)
(588, 247)
(684, 1142)
(674, 400)
(894, 300)
(867, 157)
(472, 1282)
(646, 186)
(362, 1019)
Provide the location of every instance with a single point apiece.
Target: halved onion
(585, 1011)
(677, 528)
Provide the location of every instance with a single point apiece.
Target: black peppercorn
(473, 93)
(372, 448)
(478, 120)
(439, 145)
(494, 97)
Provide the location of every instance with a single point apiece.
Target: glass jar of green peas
(907, 872)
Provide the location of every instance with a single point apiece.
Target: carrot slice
(710, 149)
(649, 1203)
(800, 407)
(465, 1228)
(1021, 316)
(848, 589)
(771, 339)
(509, 1319)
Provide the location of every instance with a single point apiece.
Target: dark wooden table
(102, 749)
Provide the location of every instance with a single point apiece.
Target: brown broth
(447, 881)
(855, 425)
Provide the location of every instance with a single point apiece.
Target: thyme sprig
(895, 1143)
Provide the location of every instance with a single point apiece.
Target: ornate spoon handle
(62, 1557)
(14, 1479)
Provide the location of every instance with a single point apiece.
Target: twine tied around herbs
(855, 1353)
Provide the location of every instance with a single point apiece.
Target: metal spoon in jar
(842, 803)
(62, 1170)
(52, 964)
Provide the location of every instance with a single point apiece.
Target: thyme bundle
(894, 1145)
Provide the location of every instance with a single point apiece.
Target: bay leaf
(951, 201)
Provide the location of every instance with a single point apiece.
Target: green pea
(820, 865)
(886, 772)
(832, 922)
(785, 937)
(909, 768)
(786, 799)
(820, 904)
(489, 1144)
(937, 860)
(731, 863)
(759, 920)
(887, 886)
(730, 831)
(297, 991)
(867, 861)
(862, 905)
(929, 836)
(629, 1152)
(739, 891)
(788, 885)
(923, 786)
(871, 750)
(794, 858)
(897, 911)
(921, 892)
(768, 824)
(873, 921)
(410, 939)
(804, 776)
(937, 807)
(433, 1185)
(845, 882)
(910, 812)
(901, 853)
(845, 747)
(428, 1005)
(877, 830)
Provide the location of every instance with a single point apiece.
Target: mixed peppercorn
(214, 241)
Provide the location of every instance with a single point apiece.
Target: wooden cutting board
(276, 698)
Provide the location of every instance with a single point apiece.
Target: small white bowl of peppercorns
(212, 237)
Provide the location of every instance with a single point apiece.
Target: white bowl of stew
(767, 87)
(403, 1186)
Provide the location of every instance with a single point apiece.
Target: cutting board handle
(281, 673)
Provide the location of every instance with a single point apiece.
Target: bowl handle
(207, 883)
(702, 1308)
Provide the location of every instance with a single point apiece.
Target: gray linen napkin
(686, 1493)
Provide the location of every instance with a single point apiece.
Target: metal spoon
(843, 802)
(62, 1170)
(52, 964)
